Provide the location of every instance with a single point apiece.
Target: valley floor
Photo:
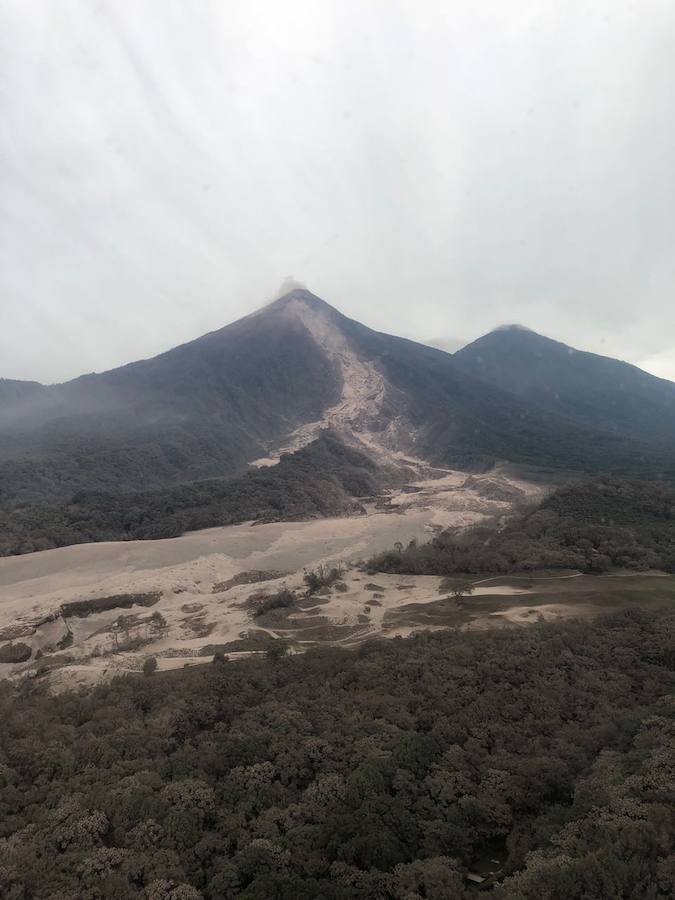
(198, 612)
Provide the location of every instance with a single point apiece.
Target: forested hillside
(592, 525)
(388, 773)
(322, 479)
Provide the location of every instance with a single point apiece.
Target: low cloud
(432, 170)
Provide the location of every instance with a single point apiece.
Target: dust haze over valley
(363, 588)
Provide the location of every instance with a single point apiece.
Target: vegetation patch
(192, 607)
(65, 642)
(15, 653)
(409, 763)
(302, 623)
(253, 577)
(330, 632)
(11, 632)
(282, 599)
(592, 526)
(198, 626)
(46, 666)
(253, 640)
(83, 608)
(439, 615)
(321, 479)
(322, 578)
(312, 601)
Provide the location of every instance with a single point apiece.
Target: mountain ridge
(8, 384)
(587, 387)
(272, 381)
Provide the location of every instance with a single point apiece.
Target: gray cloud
(433, 169)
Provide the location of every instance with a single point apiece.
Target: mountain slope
(14, 393)
(589, 389)
(273, 381)
(203, 409)
(455, 418)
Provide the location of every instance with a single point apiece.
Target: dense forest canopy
(388, 773)
(322, 479)
(592, 526)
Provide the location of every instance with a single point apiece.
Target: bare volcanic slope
(456, 418)
(272, 382)
(268, 383)
(201, 410)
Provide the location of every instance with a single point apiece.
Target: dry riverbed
(89, 612)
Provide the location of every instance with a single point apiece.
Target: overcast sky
(433, 169)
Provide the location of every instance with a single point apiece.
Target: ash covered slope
(270, 383)
(401, 398)
(455, 418)
(587, 388)
(203, 409)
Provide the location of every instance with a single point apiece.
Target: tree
(150, 666)
(170, 890)
(380, 773)
(157, 622)
(460, 590)
(276, 651)
(437, 877)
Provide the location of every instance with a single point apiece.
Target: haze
(432, 169)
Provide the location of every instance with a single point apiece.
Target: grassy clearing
(587, 594)
(605, 592)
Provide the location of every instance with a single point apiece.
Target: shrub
(150, 666)
(277, 651)
(15, 653)
(281, 600)
(322, 577)
(83, 608)
(66, 641)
